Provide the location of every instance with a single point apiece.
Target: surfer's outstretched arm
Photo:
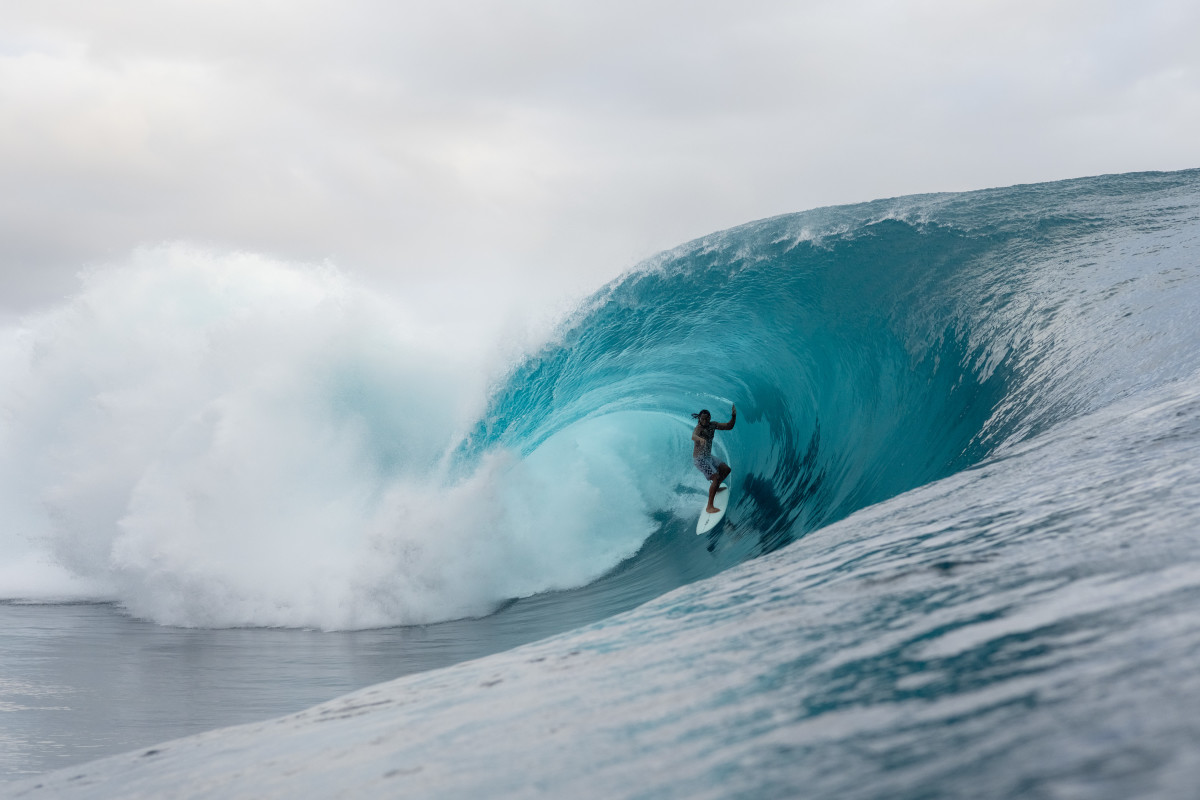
(725, 426)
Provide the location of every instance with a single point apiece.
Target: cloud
(545, 143)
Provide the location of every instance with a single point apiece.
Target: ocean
(961, 557)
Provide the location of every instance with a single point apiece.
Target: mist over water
(227, 441)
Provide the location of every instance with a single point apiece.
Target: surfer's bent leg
(712, 494)
(721, 474)
(715, 472)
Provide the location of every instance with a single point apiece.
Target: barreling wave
(873, 348)
(245, 444)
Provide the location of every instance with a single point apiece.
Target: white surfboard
(709, 521)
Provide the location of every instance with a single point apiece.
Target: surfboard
(709, 521)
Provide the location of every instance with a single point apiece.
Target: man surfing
(702, 457)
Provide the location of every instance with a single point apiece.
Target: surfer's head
(704, 417)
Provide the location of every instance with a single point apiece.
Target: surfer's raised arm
(725, 426)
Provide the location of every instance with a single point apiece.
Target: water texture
(960, 558)
(1024, 628)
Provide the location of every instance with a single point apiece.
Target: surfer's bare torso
(703, 438)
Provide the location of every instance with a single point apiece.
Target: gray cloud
(549, 143)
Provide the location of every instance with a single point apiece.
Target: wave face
(870, 349)
(221, 442)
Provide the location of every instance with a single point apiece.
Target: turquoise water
(874, 348)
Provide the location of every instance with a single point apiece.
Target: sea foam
(226, 440)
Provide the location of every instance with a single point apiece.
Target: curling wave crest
(223, 441)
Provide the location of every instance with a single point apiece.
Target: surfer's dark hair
(702, 411)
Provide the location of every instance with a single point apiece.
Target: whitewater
(961, 556)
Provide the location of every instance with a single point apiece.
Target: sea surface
(962, 556)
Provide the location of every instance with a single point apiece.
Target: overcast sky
(546, 145)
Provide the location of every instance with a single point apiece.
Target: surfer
(702, 457)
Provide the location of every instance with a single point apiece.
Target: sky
(524, 149)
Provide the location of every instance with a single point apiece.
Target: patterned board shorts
(708, 465)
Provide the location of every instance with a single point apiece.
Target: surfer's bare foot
(712, 509)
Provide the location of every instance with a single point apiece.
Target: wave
(877, 347)
(225, 441)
